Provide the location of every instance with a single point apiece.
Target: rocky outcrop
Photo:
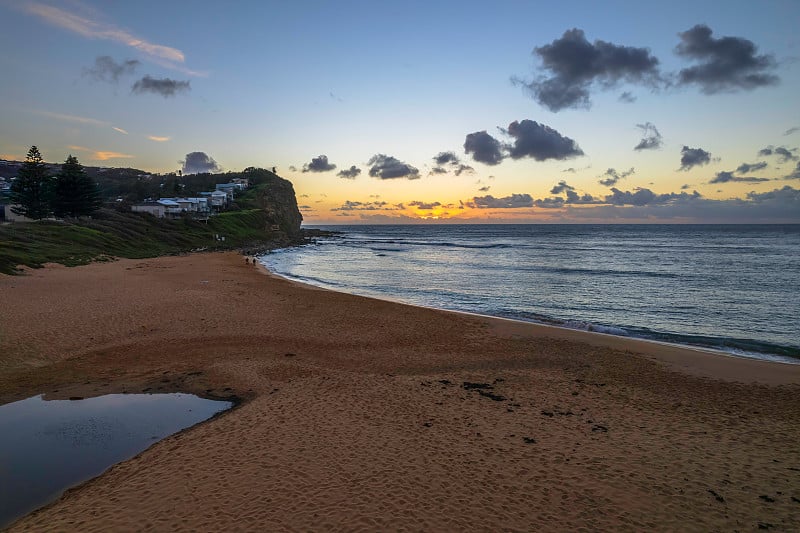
(276, 197)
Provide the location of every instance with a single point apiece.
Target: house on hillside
(175, 207)
(217, 199)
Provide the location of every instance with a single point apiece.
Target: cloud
(349, 205)
(614, 176)
(292, 168)
(692, 157)
(485, 188)
(443, 158)
(651, 138)
(744, 168)
(787, 195)
(387, 167)
(784, 154)
(575, 198)
(120, 130)
(483, 147)
(795, 175)
(349, 173)
(162, 86)
(438, 170)
(158, 139)
(106, 155)
(627, 97)
(561, 187)
(508, 202)
(643, 196)
(726, 177)
(461, 168)
(199, 163)
(93, 29)
(574, 65)
(100, 155)
(791, 131)
(540, 142)
(108, 70)
(319, 164)
(725, 64)
(425, 205)
(71, 118)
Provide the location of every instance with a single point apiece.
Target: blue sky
(143, 84)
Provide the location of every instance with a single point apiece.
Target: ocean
(734, 288)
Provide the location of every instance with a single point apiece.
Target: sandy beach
(360, 414)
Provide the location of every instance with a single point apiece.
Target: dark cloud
(791, 131)
(540, 142)
(349, 173)
(425, 205)
(387, 167)
(452, 160)
(364, 206)
(319, 164)
(627, 97)
(571, 170)
(575, 198)
(292, 168)
(485, 188)
(643, 196)
(461, 168)
(162, 86)
(199, 163)
(685, 186)
(693, 157)
(106, 69)
(483, 147)
(744, 168)
(507, 202)
(795, 175)
(573, 64)
(651, 138)
(726, 177)
(443, 158)
(613, 176)
(787, 195)
(549, 203)
(784, 154)
(725, 64)
(561, 187)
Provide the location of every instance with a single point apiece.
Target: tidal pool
(48, 446)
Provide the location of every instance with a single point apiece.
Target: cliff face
(276, 197)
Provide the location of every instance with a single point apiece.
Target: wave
(443, 244)
(731, 345)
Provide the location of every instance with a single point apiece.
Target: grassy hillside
(133, 235)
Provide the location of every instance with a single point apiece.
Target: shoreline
(753, 356)
(359, 413)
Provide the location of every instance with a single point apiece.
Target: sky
(426, 111)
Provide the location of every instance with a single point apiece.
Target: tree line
(36, 194)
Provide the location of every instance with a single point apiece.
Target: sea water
(734, 288)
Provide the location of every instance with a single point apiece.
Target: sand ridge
(369, 415)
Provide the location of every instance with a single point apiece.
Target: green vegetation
(32, 191)
(75, 193)
(37, 195)
(121, 234)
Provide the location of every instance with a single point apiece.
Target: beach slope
(360, 414)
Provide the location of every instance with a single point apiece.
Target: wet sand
(359, 414)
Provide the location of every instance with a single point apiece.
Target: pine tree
(31, 192)
(76, 194)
